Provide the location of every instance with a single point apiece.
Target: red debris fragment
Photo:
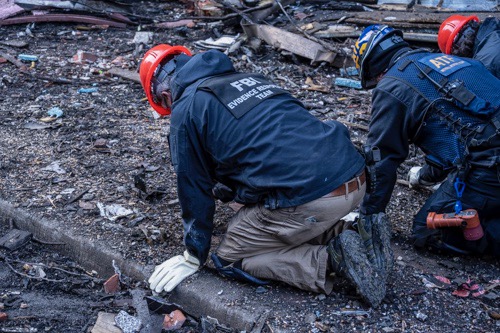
(174, 320)
(436, 281)
(3, 316)
(80, 57)
(175, 24)
(465, 289)
(442, 279)
(478, 293)
(112, 285)
(461, 292)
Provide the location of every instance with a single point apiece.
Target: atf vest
(463, 99)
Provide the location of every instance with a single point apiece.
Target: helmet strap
(166, 100)
(161, 80)
(463, 43)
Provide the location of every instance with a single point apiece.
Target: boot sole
(382, 237)
(371, 285)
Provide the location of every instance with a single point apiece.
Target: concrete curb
(198, 298)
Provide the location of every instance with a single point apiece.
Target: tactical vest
(463, 100)
(241, 92)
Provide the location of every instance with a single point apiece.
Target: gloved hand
(351, 217)
(416, 181)
(222, 192)
(173, 271)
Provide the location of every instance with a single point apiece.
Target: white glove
(416, 182)
(414, 176)
(351, 217)
(173, 271)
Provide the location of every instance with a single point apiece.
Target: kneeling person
(295, 176)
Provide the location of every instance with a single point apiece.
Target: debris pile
(312, 29)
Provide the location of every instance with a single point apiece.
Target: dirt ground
(107, 153)
(63, 302)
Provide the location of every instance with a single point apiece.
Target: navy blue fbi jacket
(487, 45)
(249, 134)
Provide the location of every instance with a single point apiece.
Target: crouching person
(449, 107)
(295, 176)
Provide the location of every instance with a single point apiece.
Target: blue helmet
(366, 46)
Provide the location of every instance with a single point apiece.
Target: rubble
(105, 323)
(173, 321)
(15, 239)
(112, 285)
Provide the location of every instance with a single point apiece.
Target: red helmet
(449, 30)
(152, 59)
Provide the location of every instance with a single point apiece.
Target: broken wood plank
(420, 37)
(285, 40)
(14, 43)
(334, 32)
(394, 24)
(125, 73)
(338, 31)
(13, 60)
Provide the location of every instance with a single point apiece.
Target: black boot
(375, 231)
(348, 258)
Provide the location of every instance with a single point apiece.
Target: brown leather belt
(350, 186)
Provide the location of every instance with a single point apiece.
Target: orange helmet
(152, 59)
(449, 30)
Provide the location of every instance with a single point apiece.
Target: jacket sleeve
(432, 174)
(486, 45)
(194, 186)
(388, 132)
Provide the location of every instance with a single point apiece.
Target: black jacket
(487, 45)
(255, 138)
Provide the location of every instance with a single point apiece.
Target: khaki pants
(289, 244)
